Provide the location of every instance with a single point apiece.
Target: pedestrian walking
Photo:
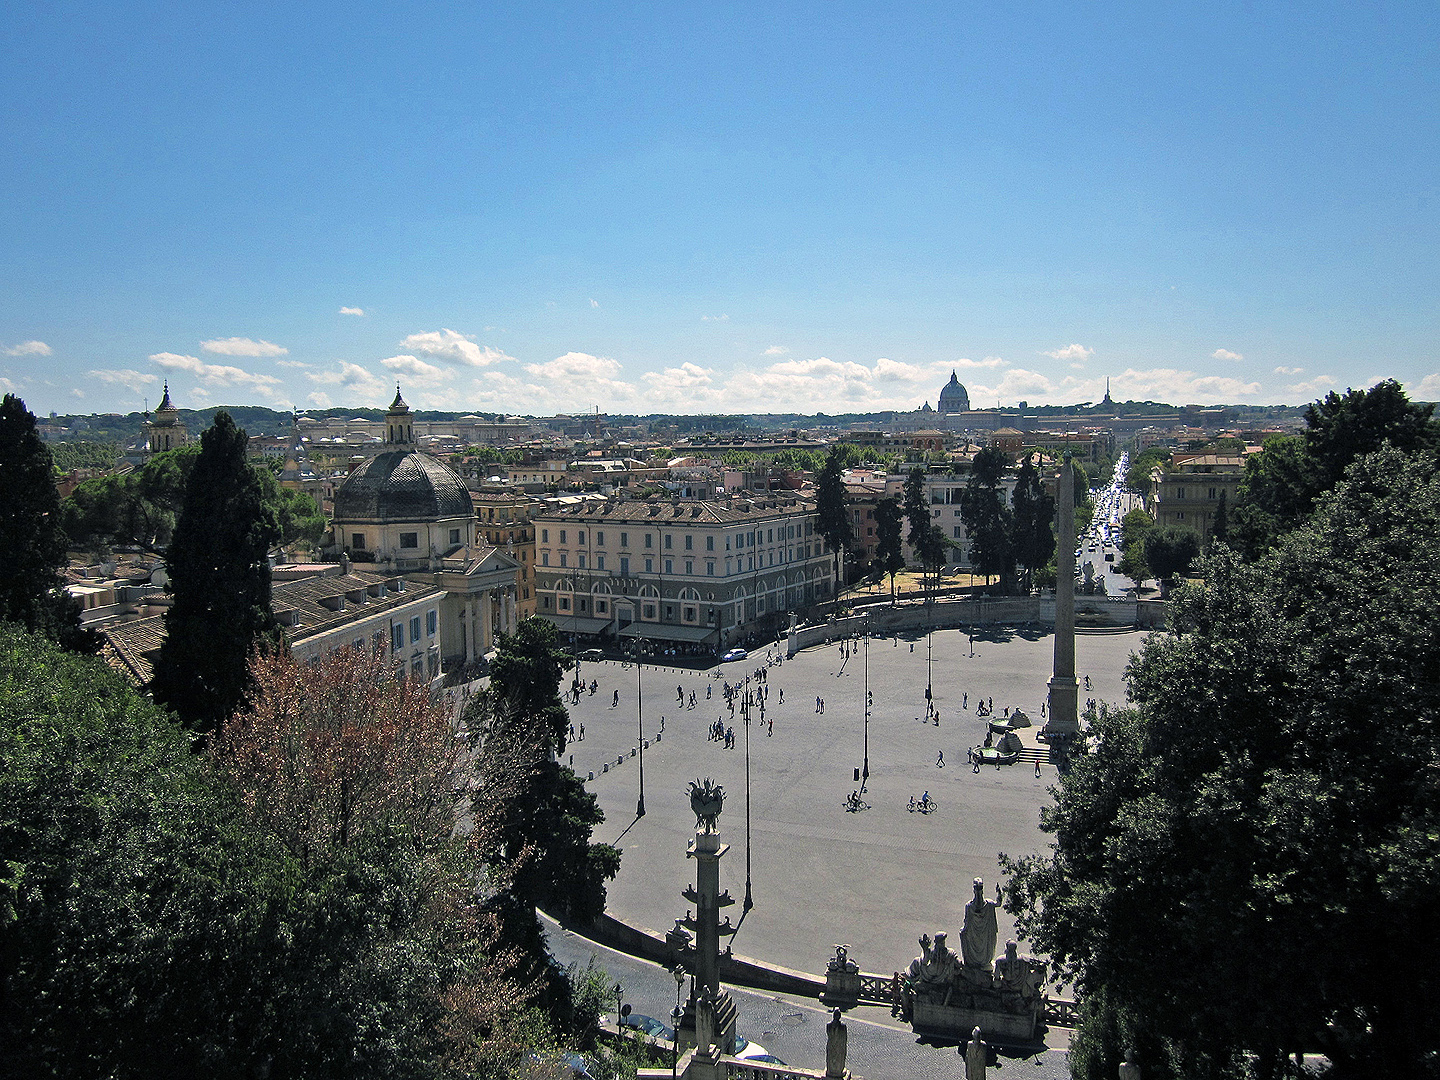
(615, 701)
(940, 760)
(582, 733)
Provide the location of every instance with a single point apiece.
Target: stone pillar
(707, 851)
(467, 621)
(486, 629)
(1064, 717)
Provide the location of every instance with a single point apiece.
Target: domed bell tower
(399, 424)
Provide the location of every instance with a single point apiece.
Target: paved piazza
(876, 879)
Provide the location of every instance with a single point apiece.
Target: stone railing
(731, 1067)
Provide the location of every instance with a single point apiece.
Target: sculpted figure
(981, 929)
(975, 1057)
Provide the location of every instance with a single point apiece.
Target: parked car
(746, 1050)
(592, 654)
(735, 654)
(649, 1026)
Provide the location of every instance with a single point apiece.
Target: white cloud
(452, 346)
(132, 380)
(1070, 352)
(1427, 389)
(319, 399)
(243, 346)
(267, 386)
(1314, 387)
(1226, 354)
(989, 362)
(714, 318)
(9, 385)
(416, 368)
(359, 384)
(689, 384)
(75, 391)
(352, 311)
(594, 303)
(291, 364)
(1289, 371)
(29, 348)
(777, 350)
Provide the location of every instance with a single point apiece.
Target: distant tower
(166, 431)
(399, 425)
(1107, 400)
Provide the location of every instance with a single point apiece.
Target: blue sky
(731, 207)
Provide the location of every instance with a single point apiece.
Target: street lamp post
(619, 993)
(640, 716)
(929, 685)
(675, 1018)
(865, 772)
(745, 713)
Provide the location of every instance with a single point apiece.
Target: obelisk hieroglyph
(1064, 691)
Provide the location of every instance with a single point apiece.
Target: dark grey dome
(954, 398)
(402, 485)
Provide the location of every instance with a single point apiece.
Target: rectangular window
(417, 668)
(624, 539)
(579, 537)
(454, 536)
(599, 539)
(599, 562)
(709, 543)
(649, 537)
(409, 540)
(959, 532)
(580, 604)
(669, 611)
(689, 614)
(771, 535)
(544, 536)
(669, 566)
(1179, 493)
(544, 558)
(1212, 493)
(564, 603)
(431, 620)
(710, 568)
(649, 565)
(689, 542)
(546, 601)
(625, 565)
(562, 536)
(689, 566)
(602, 607)
(357, 540)
(647, 611)
(397, 636)
(669, 541)
(581, 563)
(562, 559)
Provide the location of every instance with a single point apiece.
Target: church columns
(486, 629)
(468, 615)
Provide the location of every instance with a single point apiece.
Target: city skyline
(762, 209)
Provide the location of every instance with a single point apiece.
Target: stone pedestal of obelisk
(1064, 721)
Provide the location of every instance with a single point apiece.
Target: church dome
(402, 485)
(954, 398)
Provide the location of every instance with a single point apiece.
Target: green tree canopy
(32, 591)
(831, 514)
(220, 579)
(1170, 551)
(989, 523)
(917, 510)
(1240, 861)
(1033, 520)
(888, 517)
(1135, 526)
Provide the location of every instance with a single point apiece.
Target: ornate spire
(165, 400)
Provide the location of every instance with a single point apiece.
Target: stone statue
(934, 966)
(837, 1041)
(981, 929)
(842, 962)
(975, 1055)
(706, 799)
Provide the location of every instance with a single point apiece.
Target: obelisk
(706, 991)
(1064, 720)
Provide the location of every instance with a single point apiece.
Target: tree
(989, 523)
(1033, 521)
(1170, 550)
(220, 580)
(543, 840)
(1134, 528)
(1220, 527)
(831, 514)
(917, 511)
(888, 516)
(1283, 481)
(32, 591)
(1273, 787)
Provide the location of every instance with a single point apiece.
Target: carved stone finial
(707, 799)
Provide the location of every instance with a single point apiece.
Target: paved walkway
(877, 879)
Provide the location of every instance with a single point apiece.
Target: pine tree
(1034, 543)
(32, 591)
(220, 580)
(888, 516)
(832, 520)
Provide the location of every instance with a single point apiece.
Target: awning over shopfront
(575, 624)
(668, 632)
